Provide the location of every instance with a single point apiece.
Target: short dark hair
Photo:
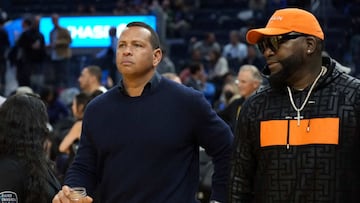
(48, 91)
(82, 99)
(195, 67)
(28, 21)
(154, 38)
(95, 71)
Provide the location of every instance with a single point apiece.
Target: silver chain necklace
(298, 110)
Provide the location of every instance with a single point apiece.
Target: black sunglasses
(273, 42)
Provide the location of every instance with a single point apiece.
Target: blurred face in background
(77, 109)
(74, 109)
(246, 83)
(252, 53)
(234, 37)
(229, 90)
(85, 79)
(55, 19)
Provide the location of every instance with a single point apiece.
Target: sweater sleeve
(82, 172)
(215, 136)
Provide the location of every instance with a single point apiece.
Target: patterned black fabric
(302, 173)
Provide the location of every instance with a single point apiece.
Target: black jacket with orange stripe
(275, 160)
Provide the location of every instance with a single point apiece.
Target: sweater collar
(149, 87)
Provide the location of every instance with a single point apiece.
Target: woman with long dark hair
(25, 170)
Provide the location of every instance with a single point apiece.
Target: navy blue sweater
(146, 148)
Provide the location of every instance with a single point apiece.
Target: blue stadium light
(86, 31)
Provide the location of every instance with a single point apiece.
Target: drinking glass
(77, 193)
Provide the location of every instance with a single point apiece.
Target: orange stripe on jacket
(310, 131)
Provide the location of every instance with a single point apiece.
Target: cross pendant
(298, 117)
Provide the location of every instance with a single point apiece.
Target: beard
(290, 65)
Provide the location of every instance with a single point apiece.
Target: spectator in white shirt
(235, 49)
(90, 79)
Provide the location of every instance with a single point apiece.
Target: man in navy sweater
(140, 140)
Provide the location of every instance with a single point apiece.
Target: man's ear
(311, 44)
(157, 56)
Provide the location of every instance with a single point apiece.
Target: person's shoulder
(2, 100)
(11, 169)
(39, 34)
(263, 89)
(106, 96)
(181, 93)
(260, 94)
(177, 89)
(242, 45)
(13, 175)
(347, 80)
(109, 96)
(7, 163)
(63, 30)
(103, 89)
(227, 46)
(352, 82)
(351, 78)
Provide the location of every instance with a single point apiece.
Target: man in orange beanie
(298, 139)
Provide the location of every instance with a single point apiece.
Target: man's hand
(63, 196)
